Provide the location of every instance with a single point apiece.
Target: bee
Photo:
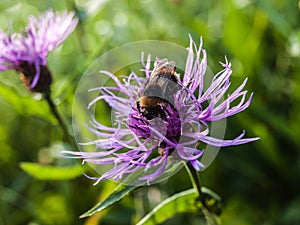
(159, 90)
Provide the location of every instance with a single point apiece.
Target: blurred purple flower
(28, 53)
(137, 143)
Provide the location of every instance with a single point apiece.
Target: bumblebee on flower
(162, 118)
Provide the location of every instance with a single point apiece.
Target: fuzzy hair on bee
(159, 90)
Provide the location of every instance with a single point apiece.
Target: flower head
(28, 53)
(162, 120)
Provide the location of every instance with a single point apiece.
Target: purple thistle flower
(147, 143)
(28, 53)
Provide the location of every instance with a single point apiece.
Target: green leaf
(178, 203)
(183, 202)
(119, 192)
(52, 173)
(26, 103)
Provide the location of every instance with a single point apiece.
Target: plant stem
(195, 182)
(208, 209)
(54, 111)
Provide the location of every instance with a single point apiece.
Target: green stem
(195, 182)
(209, 210)
(54, 111)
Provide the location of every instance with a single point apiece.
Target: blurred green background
(259, 182)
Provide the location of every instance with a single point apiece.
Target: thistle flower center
(167, 123)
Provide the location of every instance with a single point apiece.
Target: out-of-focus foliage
(259, 182)
(116, 195)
